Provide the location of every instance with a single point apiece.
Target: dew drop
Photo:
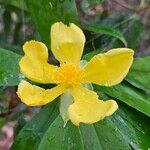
(50, 138)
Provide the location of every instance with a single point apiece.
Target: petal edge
(34, 63)
(33, 95)
(67, 42)
(87, 108)
(110, 68)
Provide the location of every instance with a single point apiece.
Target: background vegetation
(107, 24)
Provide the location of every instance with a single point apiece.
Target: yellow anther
(69, 75)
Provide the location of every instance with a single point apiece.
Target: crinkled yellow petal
(67, 42)
(34, 64)
(109, 68)
(33, 95)
(87, 108)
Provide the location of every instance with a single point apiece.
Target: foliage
(127, 129)
(9, 71)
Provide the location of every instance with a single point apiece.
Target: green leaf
(139, 74)
(129, 95)
(7, 24)
(2, 122)
(18, 4)
(91, 3)
(133, 34)
(99, 29)
(60, 138)
(108, 136)
(9, 68)
(29, 137)
(45, 13)
(119, 132)
(134, 127)
(2, 110)
(89, 55)
(20, 124)
(72, 137)
(125, 130)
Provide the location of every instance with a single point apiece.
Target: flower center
(69, 75)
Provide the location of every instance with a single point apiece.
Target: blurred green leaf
(2, 122)
(7, 24)
(9, 70)
(139, 74)
(2, 110)
(129, 95)
(18, 4)
(133, 34)
(89, 55)
(93, 3)
(20, 124)
(99, 29)
(45, 13)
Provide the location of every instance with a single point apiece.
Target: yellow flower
(67, 43)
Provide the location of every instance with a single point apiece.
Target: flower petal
(109, 68)
(67, 42)
(36, 96)
(34, 64)
(87, 108)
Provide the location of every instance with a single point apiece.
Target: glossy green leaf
(134, 127)
(9, 68)
(99, 29)
(84, 137)
(127, 129)
(139, 74)
(129, 95)
(59, 138)
(109, 137)
(132, 124)
(45, 13)
(29, 137)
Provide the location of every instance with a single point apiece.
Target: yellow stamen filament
(69, 75)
